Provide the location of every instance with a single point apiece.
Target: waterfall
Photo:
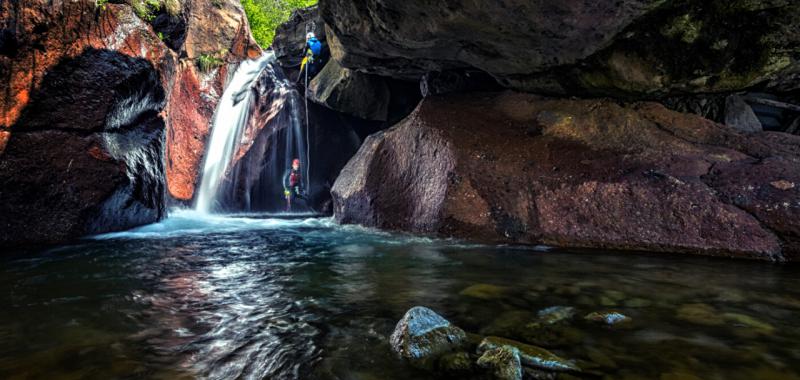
(257, 130)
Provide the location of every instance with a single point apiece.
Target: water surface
(253, 298)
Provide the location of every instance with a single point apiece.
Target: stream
(225, 297)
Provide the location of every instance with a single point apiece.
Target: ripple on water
(263, 297)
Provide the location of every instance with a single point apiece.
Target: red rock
(591, 174)
(71, 161)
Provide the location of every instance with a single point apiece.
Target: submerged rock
(609, 318)
(649, 179)
(755, 325)
(556, 314)
(504, 361)
(700, 314)
(529, 355)
(422, 336)
(485, 291)
(457, 362)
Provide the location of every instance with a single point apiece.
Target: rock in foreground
(422, 336)
(509, 167)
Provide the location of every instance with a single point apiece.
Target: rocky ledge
(630, 48)
(518, 168)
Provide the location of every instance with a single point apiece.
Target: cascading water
(257, 130)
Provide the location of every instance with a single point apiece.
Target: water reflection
(263, 298)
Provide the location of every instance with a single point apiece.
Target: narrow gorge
(533, 189)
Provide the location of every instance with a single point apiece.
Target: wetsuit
(293, 187)
(313, 60)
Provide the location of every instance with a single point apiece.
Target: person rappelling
(293, 187)
(312, 60)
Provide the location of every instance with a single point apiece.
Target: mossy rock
(422, 336)
(456, 363)
(700, 314)
(530, 355)
(485, 291)
(611, 318)
(503, 361)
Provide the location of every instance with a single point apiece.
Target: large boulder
(515, 168)
(422, 336)
(85, 132)
(627, 48)
(100, 107)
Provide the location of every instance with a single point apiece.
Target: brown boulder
(95, 105)
(518, 168)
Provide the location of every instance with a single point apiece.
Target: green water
(247, 298)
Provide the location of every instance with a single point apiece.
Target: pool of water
(253, 298)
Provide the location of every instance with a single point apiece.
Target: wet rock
(457, 362)
(609, 318)
(485, 291)
(782, 185)
(601, 358)
(465, 166)
(290, 37)
(678, 376)
(750, 322)
(700, 314)
(529, 355)
(740, 116)
(350, 92)
(628, 48)
(509, 323)
(636, 303)
(105, 112)
(422, 336)
(504, 361)
(556, 314)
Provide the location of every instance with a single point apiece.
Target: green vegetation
(265, 16)
(208, 62)
(147, 10)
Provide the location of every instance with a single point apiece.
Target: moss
(683, 27)
(208, 62)
(484, 291)
(696, 46)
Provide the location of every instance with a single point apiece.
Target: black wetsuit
(293, 186)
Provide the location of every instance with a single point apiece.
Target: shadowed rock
(623, 48)
(578, 173)
(422, 336)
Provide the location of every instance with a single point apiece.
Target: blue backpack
(315, 46)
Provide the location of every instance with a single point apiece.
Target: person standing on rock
(293, 184)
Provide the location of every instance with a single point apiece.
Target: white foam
(190, 222)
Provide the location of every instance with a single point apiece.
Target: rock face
(98, 109)
(423, 335)
(508, 167)
(350, 92)
(740, 116)
(626, 48)
(217, 29)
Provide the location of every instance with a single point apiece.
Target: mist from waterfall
(257, 130)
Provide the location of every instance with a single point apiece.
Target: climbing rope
(308, 138)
